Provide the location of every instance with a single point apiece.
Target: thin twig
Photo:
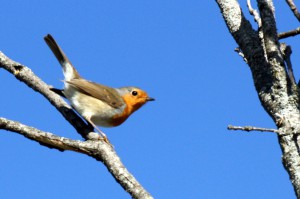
(254, 13)
(293, 8)
(251, 128)
(238, 50)
(290, 33)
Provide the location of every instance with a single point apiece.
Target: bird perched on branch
(98, 104)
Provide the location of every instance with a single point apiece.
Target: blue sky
(178, 146)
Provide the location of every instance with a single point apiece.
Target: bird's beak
(150, 99)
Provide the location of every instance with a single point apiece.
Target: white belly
(89, 107)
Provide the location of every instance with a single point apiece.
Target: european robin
(98, 104)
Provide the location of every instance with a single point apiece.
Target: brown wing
(101, 92)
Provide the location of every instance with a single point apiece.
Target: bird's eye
(134, 93)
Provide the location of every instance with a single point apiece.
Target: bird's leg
(105, 139)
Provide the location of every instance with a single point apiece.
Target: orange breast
(132, 105)
(119, 119)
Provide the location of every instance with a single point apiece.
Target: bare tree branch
(290, 33)
(26, 76)
(251, 128)
(269, 29)
(96, 148)
(44, 138)
(293, 8)
(254, 13)
(287, 51)
(265, 59)
(238, 50)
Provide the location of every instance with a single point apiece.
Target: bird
(98, 104)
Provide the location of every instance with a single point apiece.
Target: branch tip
(252, 128)
(293, 8)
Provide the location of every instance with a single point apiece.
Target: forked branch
(277, 95)
(96, 148)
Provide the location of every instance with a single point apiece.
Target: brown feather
(104, 93)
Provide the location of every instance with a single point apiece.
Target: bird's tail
(68, 69)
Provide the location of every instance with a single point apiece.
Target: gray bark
(278, 94)
(93, 147)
